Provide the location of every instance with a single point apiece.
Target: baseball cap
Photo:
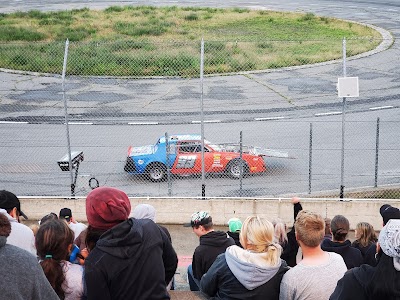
(234, 224)
(389, 212)
(199, 218)
(65, 214)
(8, 201)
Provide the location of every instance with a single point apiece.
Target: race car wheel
(233, 168)
(157, 172)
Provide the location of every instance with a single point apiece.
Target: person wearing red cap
(21, 235)
(133, 258)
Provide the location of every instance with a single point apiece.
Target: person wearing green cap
(235, 225)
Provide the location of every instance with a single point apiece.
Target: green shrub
(14, 33)
(192, 17)
(307, 17)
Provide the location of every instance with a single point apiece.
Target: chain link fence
(133, 114)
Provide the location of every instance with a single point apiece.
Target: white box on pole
(348, 87)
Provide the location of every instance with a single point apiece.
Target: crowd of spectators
(124, 254)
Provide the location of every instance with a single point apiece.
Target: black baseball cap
(8, 201)
(65, 214)
(389, 212)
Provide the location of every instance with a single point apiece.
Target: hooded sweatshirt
(132, 260)
(359, 283)
(211, 245)
(241, 274)
(351, 256)
(22, 278)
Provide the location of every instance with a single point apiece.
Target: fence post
(241, 164)
(343, 125)
(66, 118)
(203, 180)
(377, 152)
(310, 160)
(167, 153)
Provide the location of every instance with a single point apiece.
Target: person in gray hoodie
(22, 276)
(254, 272)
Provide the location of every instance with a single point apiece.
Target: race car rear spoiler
(255, 150)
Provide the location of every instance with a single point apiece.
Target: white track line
(13, 122)
(381, 107)
(328, 113)
(207, 121)
(267, 119)
(80, 123)
(143, 123)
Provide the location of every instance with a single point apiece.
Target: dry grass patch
(165, 41)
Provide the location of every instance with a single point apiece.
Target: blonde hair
(366, 234)
(257, 234)
(280, 232)
(310, 228)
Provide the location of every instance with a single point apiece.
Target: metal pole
(377, 152)
(66, 118)
(310, 160)
(167, 148)
(203, 180)
(343, 124)
(241, 164)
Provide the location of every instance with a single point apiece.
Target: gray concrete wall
(179, 210)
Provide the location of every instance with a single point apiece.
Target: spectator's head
(65, 214)
(389, 241)
(201, 223)
(54, 241)
(107, 207)
(327, 226)
(280, 231)
(92, 236)
(54, 238)
(365, 234)
(10, 203)
(50, 216)
(389, 212)
(340, 227)
(144, 211)
(5, 226)
(309, 228)
(234, 224)
(257, 235)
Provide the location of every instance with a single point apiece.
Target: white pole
(66, 117)
(343, 125)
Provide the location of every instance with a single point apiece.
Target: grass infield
(165, 41)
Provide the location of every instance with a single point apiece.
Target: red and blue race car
(185, 157)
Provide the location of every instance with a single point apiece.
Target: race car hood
(142, 150)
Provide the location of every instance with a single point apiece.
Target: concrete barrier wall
(179, 210)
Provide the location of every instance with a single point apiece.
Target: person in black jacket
(387, 212)
(381, 281)
(254, 272)
(292, 247)
(212, 243)
(366, 242)
(340, 227)
(132, 259)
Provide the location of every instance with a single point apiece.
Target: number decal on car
(186, 161)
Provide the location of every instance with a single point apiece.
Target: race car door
(188, 160)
